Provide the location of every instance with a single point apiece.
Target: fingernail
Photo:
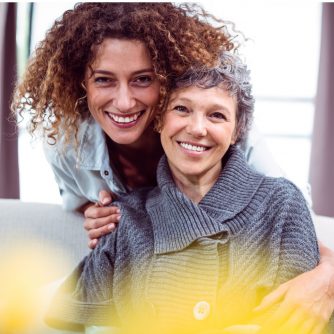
(118, 211)
(105, 200)
(118, 217)
(111, 227)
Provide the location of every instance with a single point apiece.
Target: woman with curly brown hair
(113, 62)
(94, 86)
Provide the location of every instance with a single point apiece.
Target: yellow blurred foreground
(24, 269)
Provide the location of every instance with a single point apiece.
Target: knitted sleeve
(85, 298)
(299, 250)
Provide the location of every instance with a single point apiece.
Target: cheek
(224, 136)
(166, 133)
(164, 140)
(151, 95)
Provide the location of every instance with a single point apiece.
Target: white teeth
(193, 147)
(124, 120)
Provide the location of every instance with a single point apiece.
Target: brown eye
(101, 80)
(180, 108)
(218, 115)
(143, 80)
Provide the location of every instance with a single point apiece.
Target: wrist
(326, 255)
(84, 207)
(327, 270)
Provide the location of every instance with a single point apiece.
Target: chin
(124, 138)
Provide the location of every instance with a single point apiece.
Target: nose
(123, 99)
(197, 126)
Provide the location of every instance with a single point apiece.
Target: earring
(79, 101)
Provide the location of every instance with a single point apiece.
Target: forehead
(205, 97)
(122, 52)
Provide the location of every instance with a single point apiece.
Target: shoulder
(60, 150)
(285, 202)
(282, 188)
(88, 140)
(133, 205)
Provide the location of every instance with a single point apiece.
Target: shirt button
(201, 310)
(106, 173)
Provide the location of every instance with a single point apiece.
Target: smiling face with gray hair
(232, 74)
(208, 110)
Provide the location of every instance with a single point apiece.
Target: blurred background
(288, 49)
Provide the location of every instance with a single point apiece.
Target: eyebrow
(144, 70)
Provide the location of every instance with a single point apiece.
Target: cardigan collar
(177, 221)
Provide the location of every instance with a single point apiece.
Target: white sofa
(45, 224)
(54, 234)
(49, 225)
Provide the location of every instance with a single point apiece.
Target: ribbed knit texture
(247, 235)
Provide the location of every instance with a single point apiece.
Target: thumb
(273, 297)
(105, 197)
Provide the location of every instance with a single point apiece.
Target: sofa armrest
(324, 227)
(47, 225)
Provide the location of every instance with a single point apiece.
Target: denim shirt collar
(92, 151)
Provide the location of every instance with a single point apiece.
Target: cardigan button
(201, 310)
(106, 173)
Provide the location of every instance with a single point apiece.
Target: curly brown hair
(177, 37)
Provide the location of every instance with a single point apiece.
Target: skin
(199, 127)
(122, 92)
(100, 219)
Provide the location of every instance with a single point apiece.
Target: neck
(136, 164)
(146, 144)
(196, 187)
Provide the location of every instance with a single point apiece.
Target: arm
(100, 218)
(313, 292)
(85, 298)
(302, 304)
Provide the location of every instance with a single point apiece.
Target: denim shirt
(83, 171)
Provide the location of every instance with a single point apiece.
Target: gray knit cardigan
(247, 235)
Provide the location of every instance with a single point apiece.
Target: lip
(193, 148)
(125, 120)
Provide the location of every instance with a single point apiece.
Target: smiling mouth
(193, 148)
(125, 119)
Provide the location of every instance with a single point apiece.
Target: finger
(272, 298)
(92, 224)
(319, 327)
(310, 326)
(99, 232)
(293, 325)
(277, 318)
(105, 197)
(92, 243)
(97, 211)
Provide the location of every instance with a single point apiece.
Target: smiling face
(122, 89)
(198, 128)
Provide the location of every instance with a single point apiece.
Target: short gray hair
(235, 77)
